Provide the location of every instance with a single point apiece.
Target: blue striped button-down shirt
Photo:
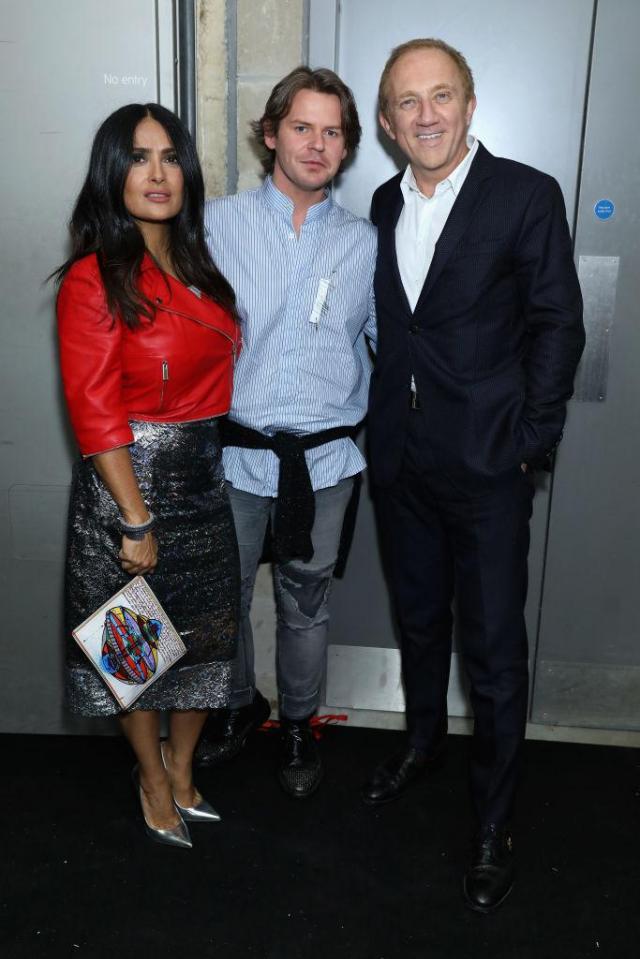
(304, 365)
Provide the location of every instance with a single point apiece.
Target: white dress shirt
(422, 221)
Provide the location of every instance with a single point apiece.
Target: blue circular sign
(604, 209)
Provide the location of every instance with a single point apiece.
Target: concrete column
(212, 67)
(269, 45)
(244, 48)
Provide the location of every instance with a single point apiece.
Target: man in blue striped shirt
(302, 268)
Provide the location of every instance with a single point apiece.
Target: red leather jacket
(175, 369)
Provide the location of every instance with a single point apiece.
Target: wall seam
(574, 229)
(231, 41)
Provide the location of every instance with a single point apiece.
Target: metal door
(588, 657)
(64, 66)
(530, 63)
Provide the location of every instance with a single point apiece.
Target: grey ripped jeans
(302, 593)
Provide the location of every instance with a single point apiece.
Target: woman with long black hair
(148, 336)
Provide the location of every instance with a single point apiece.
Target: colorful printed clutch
(130, 641)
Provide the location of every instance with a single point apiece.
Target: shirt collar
(454, 181)
(283, 205)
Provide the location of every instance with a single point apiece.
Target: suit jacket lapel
(471, 195)
(387, 240)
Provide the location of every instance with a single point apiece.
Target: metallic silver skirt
(197, 579)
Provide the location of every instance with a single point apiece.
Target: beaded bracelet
(139, 531)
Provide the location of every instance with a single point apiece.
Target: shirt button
(414, 328)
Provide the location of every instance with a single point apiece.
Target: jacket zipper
(207, 326)
(165, 379)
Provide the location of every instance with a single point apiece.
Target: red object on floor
(317, 723)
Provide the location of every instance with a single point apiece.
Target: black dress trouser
(469, 535)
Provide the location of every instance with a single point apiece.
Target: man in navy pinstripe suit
(480, 332)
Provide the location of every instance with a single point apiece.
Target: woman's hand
(139, 557)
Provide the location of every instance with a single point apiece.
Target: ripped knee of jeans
(304, 592)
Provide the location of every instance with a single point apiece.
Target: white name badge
(320, 302)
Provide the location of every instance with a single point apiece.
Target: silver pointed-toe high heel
(177, 835)
(202, 811)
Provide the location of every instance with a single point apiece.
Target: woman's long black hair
(101, 223)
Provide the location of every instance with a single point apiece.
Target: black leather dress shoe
(393, 777)
(489, 878)
(226, 732)
(300, 770)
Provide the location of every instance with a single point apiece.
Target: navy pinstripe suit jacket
(497, 332)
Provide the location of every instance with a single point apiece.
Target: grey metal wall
(64, 65)
(532, 64)
(588, 656)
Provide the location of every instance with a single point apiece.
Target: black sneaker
(226, 731)
(300, 770)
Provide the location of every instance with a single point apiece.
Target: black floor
(325, 878)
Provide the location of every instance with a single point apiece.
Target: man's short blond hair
(428, 43)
